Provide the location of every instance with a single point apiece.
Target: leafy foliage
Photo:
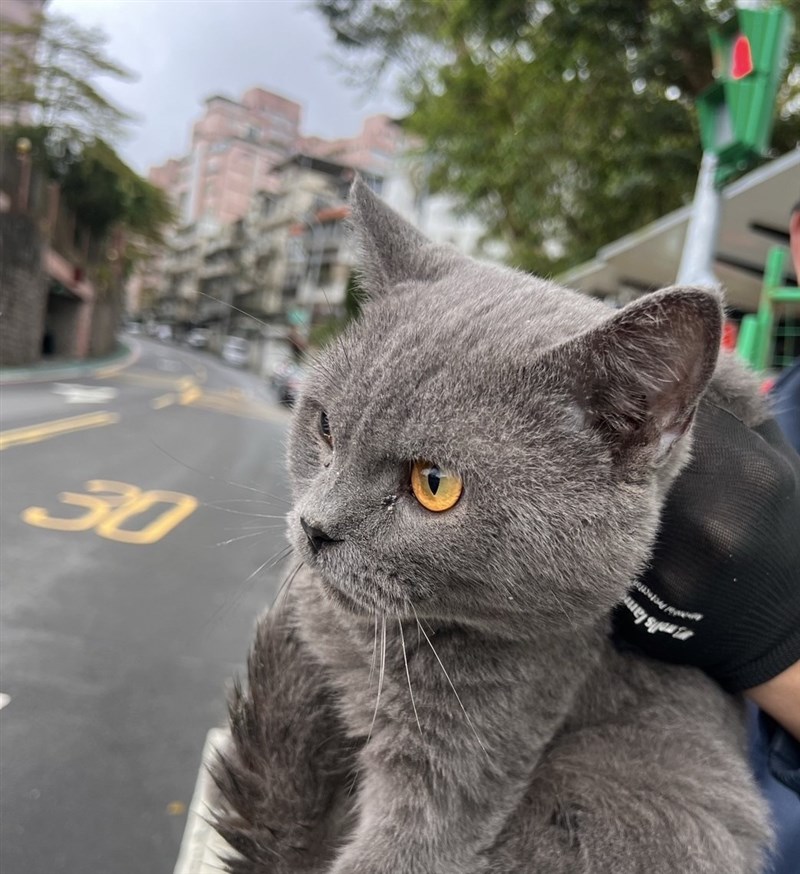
(104, 191)
(46, 71)
(563, 123)
(49, 66)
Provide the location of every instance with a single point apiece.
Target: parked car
(288, 381)
(236, 351)
(198, 338)
(133, 327)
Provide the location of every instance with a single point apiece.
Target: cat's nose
(316, 536)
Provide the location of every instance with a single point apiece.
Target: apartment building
(372, 150)
(234, 148)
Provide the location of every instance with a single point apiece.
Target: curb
(201, 847)
(128, 352)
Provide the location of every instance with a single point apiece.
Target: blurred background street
(174, 246)
(115, 655)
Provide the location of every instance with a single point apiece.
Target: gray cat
(478, 469)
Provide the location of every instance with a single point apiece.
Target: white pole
(697, 259)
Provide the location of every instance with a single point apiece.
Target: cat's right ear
(389, 250)
(638, 377)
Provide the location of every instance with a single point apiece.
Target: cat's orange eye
(435, 487)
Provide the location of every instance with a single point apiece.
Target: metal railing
(770, 338)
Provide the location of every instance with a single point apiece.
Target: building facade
(235, 146)
(270, 245)
(372, 150)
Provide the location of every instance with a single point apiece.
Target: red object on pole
(741, 58)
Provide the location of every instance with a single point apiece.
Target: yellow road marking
(184, 505)
(45, 430)
(190, 394)
(108, 372)
(163, 401)
(105, 513)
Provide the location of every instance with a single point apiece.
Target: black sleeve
(722, 591)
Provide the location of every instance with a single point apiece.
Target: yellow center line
(45, 430)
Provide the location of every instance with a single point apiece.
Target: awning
(755, 216)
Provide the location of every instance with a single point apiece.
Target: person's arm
(780, 697)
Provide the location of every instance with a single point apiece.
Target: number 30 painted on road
(106, 512)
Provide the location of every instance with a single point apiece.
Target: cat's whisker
(374, 652)
(270, 562)
(241, 501)
(210, 476)
(260, 532)
(286, 585)
(259, 526)
(228, 604)
(215, 506)
(447, 676)
(408, 673)
(231, 306)
(380, 679)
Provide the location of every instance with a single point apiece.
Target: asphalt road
(128, 603)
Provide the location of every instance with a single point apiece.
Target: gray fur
(541, 750)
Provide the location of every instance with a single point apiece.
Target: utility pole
(697, 258)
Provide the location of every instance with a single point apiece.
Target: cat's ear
(389, 250)
(639, 376)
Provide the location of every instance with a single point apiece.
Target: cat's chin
(340, 599)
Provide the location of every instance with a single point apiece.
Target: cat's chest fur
(569, 688)
(393, 674)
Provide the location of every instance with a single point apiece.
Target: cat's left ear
(390, 250)
(638, 377)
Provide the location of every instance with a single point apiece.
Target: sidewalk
(126, 353)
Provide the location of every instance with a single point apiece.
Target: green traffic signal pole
(736, 115)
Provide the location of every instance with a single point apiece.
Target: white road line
(4, 699)
(74, 393)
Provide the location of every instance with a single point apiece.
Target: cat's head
(485, 447)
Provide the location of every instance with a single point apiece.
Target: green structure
(737, 111)
(736, 116)
(766, 339)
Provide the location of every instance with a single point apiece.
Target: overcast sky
(186, 50)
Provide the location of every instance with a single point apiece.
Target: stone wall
(23, 291)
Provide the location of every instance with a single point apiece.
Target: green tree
(562, 123)
(103, 191)
(47, 73)
(49, 66)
